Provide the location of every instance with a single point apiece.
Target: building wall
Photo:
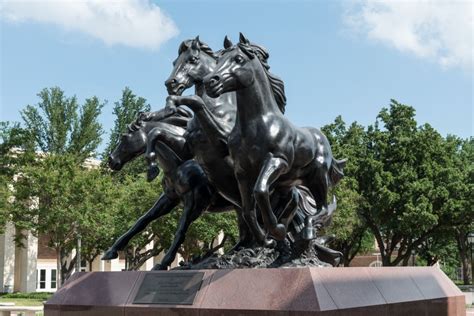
(25, 264)
(7, 259)
(17, 264)
(45, 252)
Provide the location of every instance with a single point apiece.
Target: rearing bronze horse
(268, 151)
(209, 131)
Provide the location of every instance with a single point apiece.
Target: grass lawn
(22, 301)
(25, 299)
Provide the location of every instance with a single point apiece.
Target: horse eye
(193, 60)
(239, 59)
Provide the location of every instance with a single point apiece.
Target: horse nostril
(214, 80)
(170, 82)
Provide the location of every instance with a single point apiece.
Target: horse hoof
(279, 232)
(270, 243)
(152, 173)
(159, 267)
(110, 254)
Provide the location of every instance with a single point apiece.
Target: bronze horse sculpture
(173, 144)
(161, 133)
(268, 151)
(208, 131)
(183, 181)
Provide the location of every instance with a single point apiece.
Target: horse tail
(306, 207)
(336, 170)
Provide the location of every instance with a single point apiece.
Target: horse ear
(243, 39)
(195, 43)
(227, 42)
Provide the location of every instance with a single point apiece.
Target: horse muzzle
(174, 87)
(114, 164)
(214, 86)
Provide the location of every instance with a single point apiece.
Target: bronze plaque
(169, 288)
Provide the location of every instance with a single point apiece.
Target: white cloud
(136, 23)
(438, 30)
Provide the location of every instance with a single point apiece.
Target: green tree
(59, 125)
(60, 198)
(136, 197)
(350, 231)
(15, 150)
(403, 178)
(460, 188)
(49, 188)
(98, 212)
(202, 235)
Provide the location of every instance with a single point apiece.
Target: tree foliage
(60, 198)
(50, 189)
(404, 179)
(348, 227)
(15, 151)
(59, 125)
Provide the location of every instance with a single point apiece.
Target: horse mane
(135, 125)
(186, 44)
(139, 121)
(181, 115)
(277, 85)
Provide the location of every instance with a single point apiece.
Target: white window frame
(48, 278)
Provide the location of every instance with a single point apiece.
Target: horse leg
(249, 212)
(273, 167)
(319, 186)
(162, 206)
(195, 203)
(172, 137)
(291, 206)
(245, 237)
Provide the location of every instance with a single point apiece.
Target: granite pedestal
(294, 291)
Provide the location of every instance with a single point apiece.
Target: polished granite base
(293, 291)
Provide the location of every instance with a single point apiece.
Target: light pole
(470, 240)
(78, 247)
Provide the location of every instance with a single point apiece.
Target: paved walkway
(15, 310)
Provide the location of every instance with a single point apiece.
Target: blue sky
(344, 58)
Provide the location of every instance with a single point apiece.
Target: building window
(42, 278)
(83, 266)
(53, 278)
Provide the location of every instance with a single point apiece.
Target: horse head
(131, 144)
(195, 60)
(237, 68)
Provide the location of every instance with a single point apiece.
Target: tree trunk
(386, 258)
(461, 240)
(66, 270)
(465, 270)
(405, 261)
(345, 258)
